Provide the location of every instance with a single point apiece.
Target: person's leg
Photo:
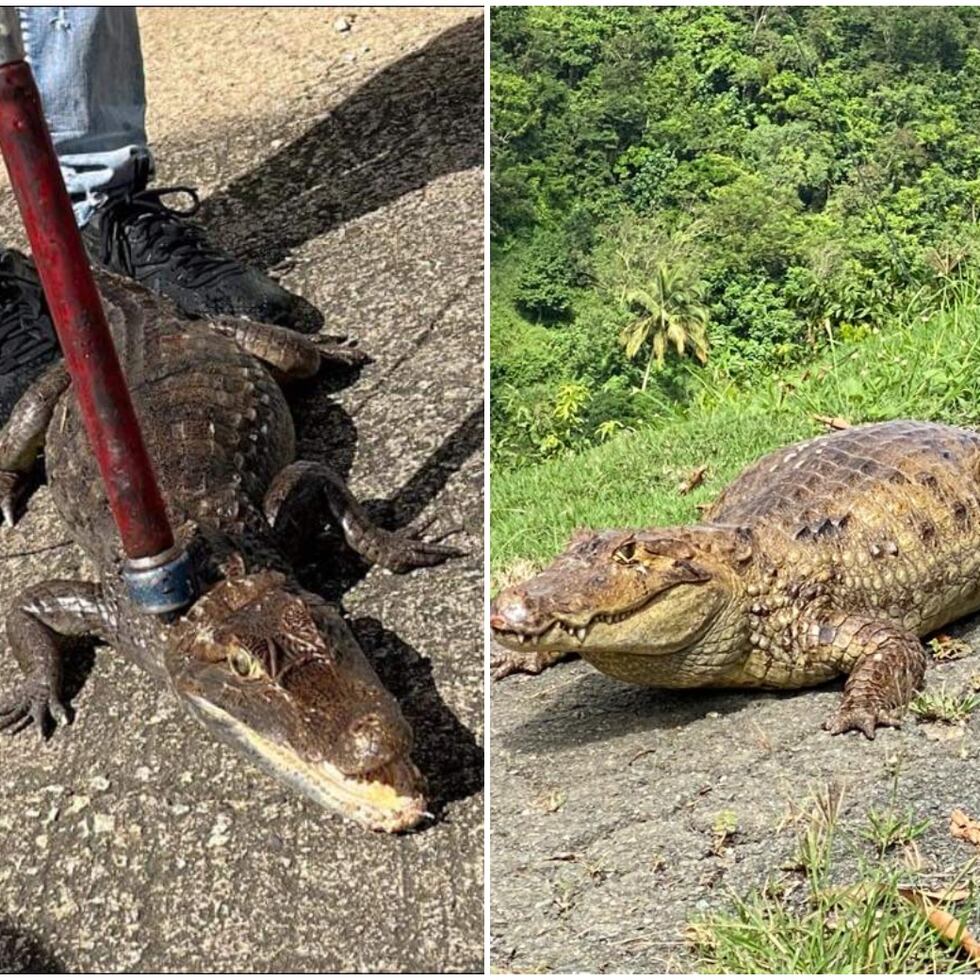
(89, 70)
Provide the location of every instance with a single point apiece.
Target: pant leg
(89, 69)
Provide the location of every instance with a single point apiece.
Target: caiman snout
(509, 611)
(519, 611)
(372, 741)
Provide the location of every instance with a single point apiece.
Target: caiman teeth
(614, 617)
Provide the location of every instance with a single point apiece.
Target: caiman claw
(33, 704)
(508, 662)
(11, 486)
(862, 718)
(341, 350)
(401, 551)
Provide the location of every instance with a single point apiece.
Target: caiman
(831, 557)
(262, 663)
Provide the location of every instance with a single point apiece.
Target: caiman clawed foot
(263, 664)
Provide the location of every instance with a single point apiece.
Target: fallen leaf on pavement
(840, 893)
(960, 825)
(550, 802)
(945, 647)
(833, 422)
(865, 889)
(944, 895)
(946, 924)
(939, 731)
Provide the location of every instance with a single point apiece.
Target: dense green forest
(690, 201)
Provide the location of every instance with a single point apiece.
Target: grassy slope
(923, 369)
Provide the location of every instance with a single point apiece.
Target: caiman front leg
(885, 664)
(22, 438)
(39, 617)
(291, 355)
(300, 492)
(507, 662)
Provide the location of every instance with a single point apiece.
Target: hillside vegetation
(693, 202)
(920, 368)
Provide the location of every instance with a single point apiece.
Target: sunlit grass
(810, 922)
(920, 368)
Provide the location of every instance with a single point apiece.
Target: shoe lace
(166, 232)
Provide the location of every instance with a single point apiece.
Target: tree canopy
(803, 172)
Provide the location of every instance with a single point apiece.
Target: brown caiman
(832, 556)
(265, 665)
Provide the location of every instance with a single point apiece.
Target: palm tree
(668, 309)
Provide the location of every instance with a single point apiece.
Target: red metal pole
(159, 575)
(78, 317)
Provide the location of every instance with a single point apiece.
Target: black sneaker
(138, 236)
(28, 342)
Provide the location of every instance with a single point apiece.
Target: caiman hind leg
(885, 663)
(22, 438)
(301, 491)
(291, 355)
(40, 617)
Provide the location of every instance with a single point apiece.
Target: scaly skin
(263, 664)
(833, 556)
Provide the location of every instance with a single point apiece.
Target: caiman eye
(243, 663)
(625, 552)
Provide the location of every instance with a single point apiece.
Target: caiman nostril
(372, 741)
(509, 612)
(497, 621)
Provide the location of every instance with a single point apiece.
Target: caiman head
(278, 675)
(615, 596)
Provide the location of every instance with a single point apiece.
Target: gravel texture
(350, 166)
(605, 799)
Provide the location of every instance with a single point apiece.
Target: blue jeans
(89, 69)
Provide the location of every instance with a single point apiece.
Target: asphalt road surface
(131, 841)
(605, 798)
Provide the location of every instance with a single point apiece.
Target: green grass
(832, 923)
(870, 930)
(945, 706)
(889, 828)
(921, 368)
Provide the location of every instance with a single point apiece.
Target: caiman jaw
(389, 798)
(558, 630)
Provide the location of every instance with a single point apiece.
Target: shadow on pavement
(414, 121)
(22, 952)
(445, 750)
(595, 708)
(430, 478)
(322, 422)
(347, 568)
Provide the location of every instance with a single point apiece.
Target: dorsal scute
(824, 487)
